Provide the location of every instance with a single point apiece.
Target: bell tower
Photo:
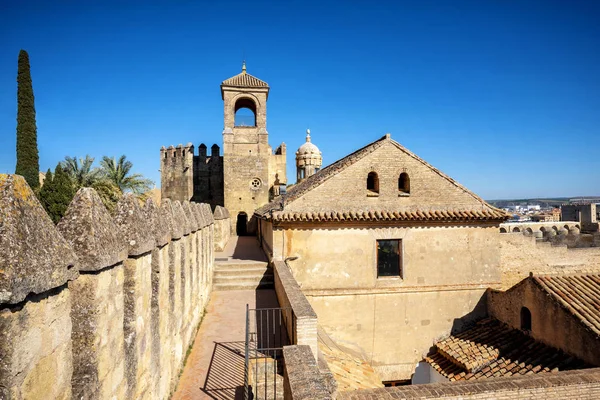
(247, 157)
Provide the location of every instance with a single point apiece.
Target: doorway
(242, 224)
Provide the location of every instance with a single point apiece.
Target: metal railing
(266, 335)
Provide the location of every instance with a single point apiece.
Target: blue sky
(504, 96)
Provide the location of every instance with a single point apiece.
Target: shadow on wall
(468, 320)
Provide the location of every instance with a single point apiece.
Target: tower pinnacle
(244, 66)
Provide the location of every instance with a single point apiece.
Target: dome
(308, 147)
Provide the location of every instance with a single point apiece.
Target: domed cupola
(308, 159)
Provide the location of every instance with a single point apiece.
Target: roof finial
(244, 67)
(308, 135)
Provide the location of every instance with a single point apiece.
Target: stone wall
(551, 323)
(100, 306)
(578, 384)
(302, 326)
(520, 255)
(222, 228)
(302, 378)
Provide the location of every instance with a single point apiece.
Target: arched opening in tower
(245, 112)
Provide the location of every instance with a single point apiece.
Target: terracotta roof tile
(245, 80)
(579, 294)
(493, 349)
(386, 215)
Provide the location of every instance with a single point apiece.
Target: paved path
(215, 366)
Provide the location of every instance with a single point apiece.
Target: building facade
(376, 235)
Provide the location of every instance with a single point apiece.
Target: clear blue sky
(504, 96)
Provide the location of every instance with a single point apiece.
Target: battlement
(112, 301)
(182, 152)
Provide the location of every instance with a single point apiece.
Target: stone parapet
(191, 216)
(302, 378)
(176, 224)
(120, 327)
(160, 223)
(222, 228)
(302, 327)
(90, 230)
(134, 226)
(34, 257)
(180, 217)
(220, 213)
(578, 384)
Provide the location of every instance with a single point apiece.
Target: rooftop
(578, 294)
(493, 349)
(244, 80)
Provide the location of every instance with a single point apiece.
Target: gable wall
(347, 189)
(550, 323)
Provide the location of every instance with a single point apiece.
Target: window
(301, 173)
(255, 184)
(389, 258)
(525, 319)
(373, 182)
(404, 183)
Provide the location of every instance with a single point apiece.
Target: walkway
(215, 366)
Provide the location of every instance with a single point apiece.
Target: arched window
(525, 319)
(373, 182)
(245, 112)
(404, 183)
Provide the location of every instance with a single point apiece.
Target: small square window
(389, 258)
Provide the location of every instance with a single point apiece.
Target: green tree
(28, 163)
(108, 192)
(56, 193)
(81, 171)
(119, 173)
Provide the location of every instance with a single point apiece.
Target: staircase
(242, 265)
(242, 275)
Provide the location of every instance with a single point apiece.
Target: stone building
(249, 172)
(373, 237)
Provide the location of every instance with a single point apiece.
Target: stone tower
(177, 168)
(250, 169)
(308, 159)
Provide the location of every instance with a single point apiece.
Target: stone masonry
(100, 306)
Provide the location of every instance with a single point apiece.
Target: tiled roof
(579, 294)
(245, 80)
(295, 192)
(387, 215)
(493, 349)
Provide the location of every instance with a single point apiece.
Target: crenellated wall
(101, 306)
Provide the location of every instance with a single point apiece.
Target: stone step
(243, 286)
(251, 278)
(240, 263)
(242, 270)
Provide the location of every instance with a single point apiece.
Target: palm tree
(81, 172)
(118, 172)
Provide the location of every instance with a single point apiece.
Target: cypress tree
(57, 193)
(27, 151)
